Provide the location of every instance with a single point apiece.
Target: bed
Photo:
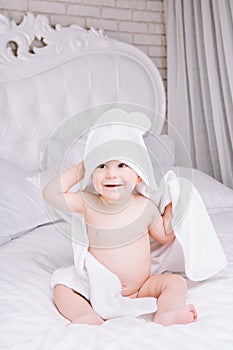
(47, 75)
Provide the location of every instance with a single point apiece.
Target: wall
(138, 22)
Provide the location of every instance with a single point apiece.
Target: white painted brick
(133, 27)
(7, 13)
(154, 6)
(17, 16)
(142, 48)
(69, 1)
(47, 7)
(157, 51)
(163, 73)
(156, 28)
(101, 24)
(20, 5)
(160, 62)
(81, 10)
(109, 3)
(116, 13)
(131, 4)
(145, 16)
(147, 39)
(66, 20)
(127, 38)
(13, 15)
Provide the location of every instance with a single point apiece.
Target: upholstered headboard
(49, 74)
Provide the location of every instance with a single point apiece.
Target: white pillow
(21, 204)
(216, 196)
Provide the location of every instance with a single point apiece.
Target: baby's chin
(112, 197)
(116, 195)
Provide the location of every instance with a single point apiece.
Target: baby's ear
(139, 180)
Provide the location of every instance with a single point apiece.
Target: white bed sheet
(29, 320)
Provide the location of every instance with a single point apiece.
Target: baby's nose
(111, 172)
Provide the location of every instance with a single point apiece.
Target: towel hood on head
(118, 135)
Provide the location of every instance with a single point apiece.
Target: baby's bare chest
(114, 230)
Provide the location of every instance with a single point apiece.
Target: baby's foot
(181, 315)
(91, 318)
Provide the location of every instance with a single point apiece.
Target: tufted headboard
(48, 74)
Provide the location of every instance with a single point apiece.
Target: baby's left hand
(167, 218)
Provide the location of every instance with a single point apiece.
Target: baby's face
(114, 179)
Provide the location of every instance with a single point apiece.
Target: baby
(113, 210)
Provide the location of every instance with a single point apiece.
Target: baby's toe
(193, 310)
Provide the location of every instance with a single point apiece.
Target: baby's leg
(74, 307)
(170, 291)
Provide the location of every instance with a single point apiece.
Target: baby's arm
(56, 192)
(161, 229)
(167, 218)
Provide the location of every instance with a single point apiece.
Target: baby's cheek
(128, 187)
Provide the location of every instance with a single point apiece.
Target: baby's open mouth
(112, 185)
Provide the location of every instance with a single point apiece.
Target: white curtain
(200, 83)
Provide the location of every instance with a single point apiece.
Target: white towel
(201, 254)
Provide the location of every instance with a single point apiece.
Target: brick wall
(138, 22)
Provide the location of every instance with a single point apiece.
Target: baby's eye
(122, 165)
(102, 166)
